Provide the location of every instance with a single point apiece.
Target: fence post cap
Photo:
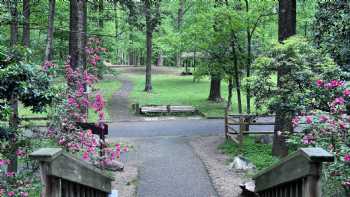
(317, 154)
(45, 154)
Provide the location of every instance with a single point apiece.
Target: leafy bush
(329, 130)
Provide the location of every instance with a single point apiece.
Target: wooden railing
(64, 175)
(298, 175)
(244, 121)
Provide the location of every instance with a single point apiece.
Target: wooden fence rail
(244, 121)
(298, 175)
(62, 175)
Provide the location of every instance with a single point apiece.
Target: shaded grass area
(106, 87)
(181, 90)
(259, 154)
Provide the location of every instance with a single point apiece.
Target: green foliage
(301, 65)
(259, 154)
(25, 82)
(332, 30)
(179, 90)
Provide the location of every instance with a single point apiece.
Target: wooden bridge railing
(298, 175)
(62, 175)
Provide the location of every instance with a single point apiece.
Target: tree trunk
(14, 22)
(26, 24)
(215, 89)
(179, 20)
(238, 84)
(149, 35)
(229, 97)
(286, 28)
(13, 120)
(286, 19)
(50, 31)
(100, 13)
(249, 57)
(160, 59)
(76, 34)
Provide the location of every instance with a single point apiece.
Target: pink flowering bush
(17, 184)
(95, 51)
(328, 127)
(73, 110)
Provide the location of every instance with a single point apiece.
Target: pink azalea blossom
(62, 141)
(10, 174)
(24, 194)
(347, 157)
(309, 119)
(319, 83)
(71, 101)
(308, 139)
(99, 102)
(323, 119)
(346, 92)
(20, 153)
(295, 121)
(342, 125)
(85, 155)
(11, 193)
(339, 101)
(126, 149)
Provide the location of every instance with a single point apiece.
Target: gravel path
(119, 110)
(170, 168)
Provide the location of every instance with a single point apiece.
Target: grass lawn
(106, 87)
(181, 90)
(259, 154)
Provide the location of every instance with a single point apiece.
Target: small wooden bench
(298, 175)
(182, 109)
(154, 109)
(164, 109)
(64, 175)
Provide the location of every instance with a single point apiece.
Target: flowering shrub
(73, 110)
(17, 184)
(94, 51)
(329, 130)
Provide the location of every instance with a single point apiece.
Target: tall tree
(179, 19)
(283, 123)
(77, 34)
(100, 13)
(13, 120)
(215, 78)
(152, 15)
(50, 31)
(255, 13)
(26, 23)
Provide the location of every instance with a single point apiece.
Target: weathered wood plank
(72, 170)
(304, 163)
(154, 109)
(182, 109)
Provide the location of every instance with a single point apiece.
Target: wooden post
(241, 131)
(56, 187)
(46, 190)
(226, 124)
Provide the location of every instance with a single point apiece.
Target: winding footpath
(168, 165)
